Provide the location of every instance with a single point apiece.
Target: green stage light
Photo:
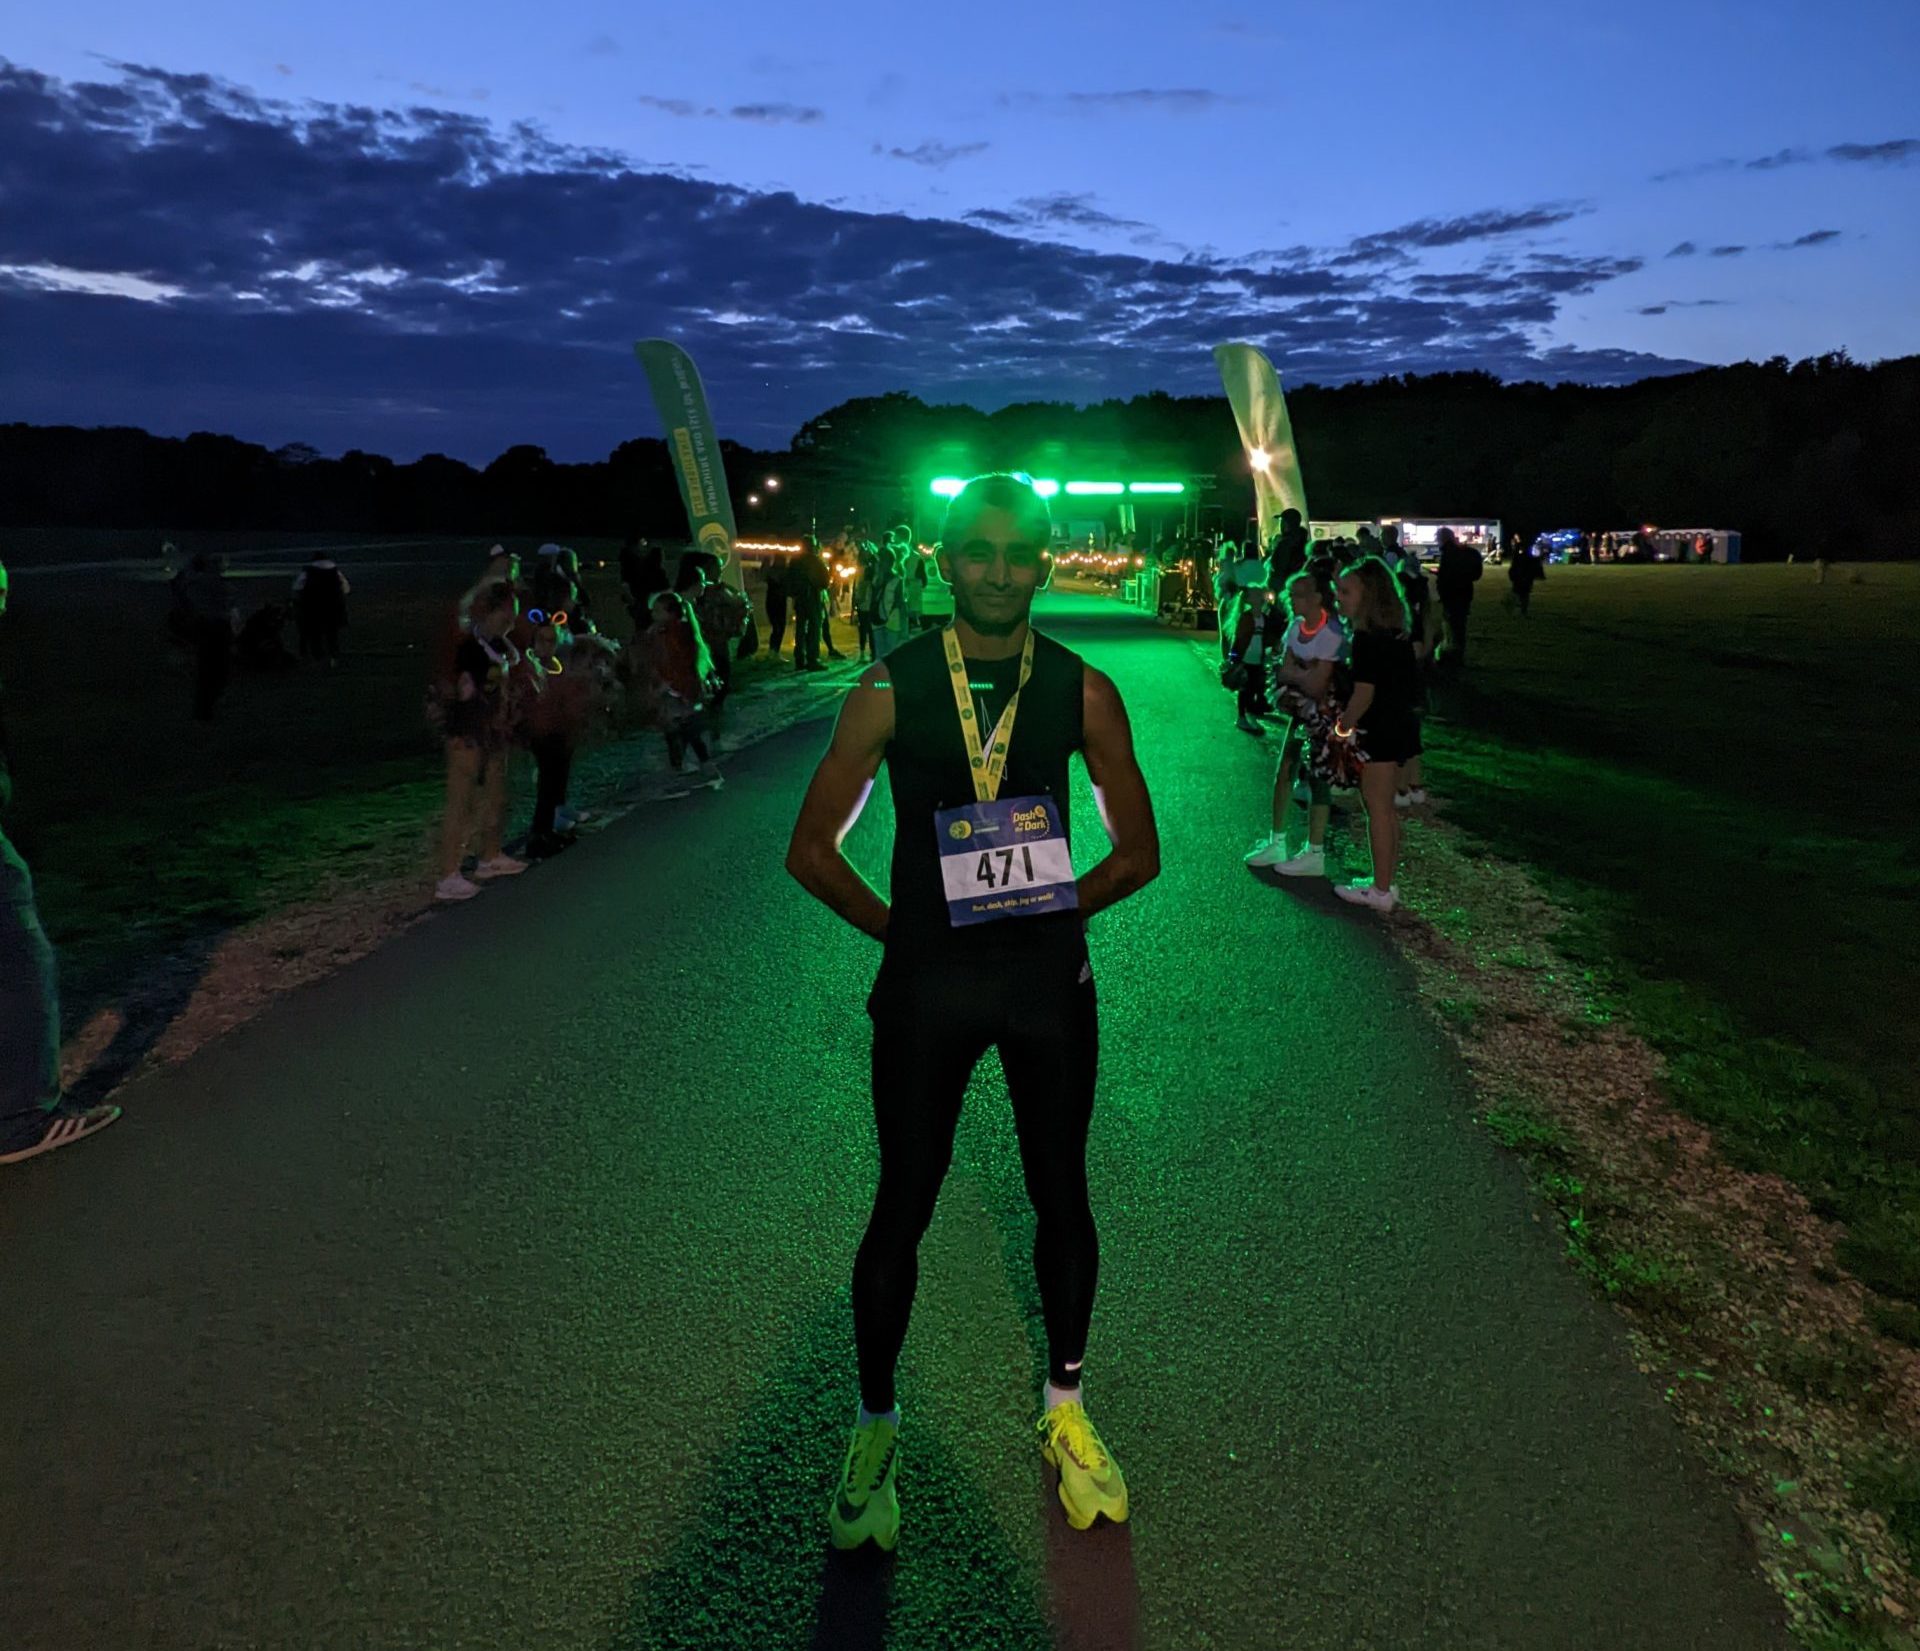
(1081, 489)
(948, 487)
(1156, 487)
(1045, 486)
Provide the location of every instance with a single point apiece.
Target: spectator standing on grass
(537, 714)
(213, 620)
(779, 599)
(1424, 622)
(1306, 659)
(469, 704)
(722, 614)
(864, 584)
(680, 680)
(1246, 656)
(33, 1116)
(643, 576)
(320, 592)
(892, 618)
(807, 581)
(835, 559)
(1289, 551)
(1378, 719)
(1237, 576)
(1525, 573)
(1459, 571)
(578, 672)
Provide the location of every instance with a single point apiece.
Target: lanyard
(987, 769)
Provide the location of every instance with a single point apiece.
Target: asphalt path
(494, 1292)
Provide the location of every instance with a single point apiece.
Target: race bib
(1007, 858)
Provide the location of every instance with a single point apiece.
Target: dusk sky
(415, 228)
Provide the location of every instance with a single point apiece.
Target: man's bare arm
(1121, 791)
(834, 800)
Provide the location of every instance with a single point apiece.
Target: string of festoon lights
(1097, 561)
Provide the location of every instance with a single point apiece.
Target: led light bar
(1156, 487)
(1082, 489)
(947, 487)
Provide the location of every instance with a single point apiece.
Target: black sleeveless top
(928, 770)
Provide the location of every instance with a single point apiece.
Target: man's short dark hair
(999, 491)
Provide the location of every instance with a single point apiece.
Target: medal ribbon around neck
(987, 762)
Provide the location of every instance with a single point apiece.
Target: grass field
(1715, 768)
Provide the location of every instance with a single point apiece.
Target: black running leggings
(931, 1025)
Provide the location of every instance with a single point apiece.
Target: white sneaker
(1403, 799)
(1418, 796)
(1309, 862)
(1269, 851)
(455, 887)
(1365, 894)
(500, 865)
(565, 819)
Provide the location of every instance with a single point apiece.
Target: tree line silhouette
(1814, 458)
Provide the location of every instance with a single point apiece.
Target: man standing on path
(33, 1119)
(985, 945)
(1459, 571)
(807, 587)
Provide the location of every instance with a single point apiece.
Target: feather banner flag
(694, 448)
(1253, 390)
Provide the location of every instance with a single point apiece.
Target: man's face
(995, 571)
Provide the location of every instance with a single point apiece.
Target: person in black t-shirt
(320, 592)
(979, 953)
(470, 706)
(1379, 715)
(1453, 581)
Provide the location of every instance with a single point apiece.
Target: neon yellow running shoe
(1090, 1482)
(866, 1508)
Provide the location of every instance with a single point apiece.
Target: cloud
(764, 114)
(778, 114)
(1180, 100)
(602, 45)
(1446, 232)
(1813, 238)
(1071, 212)
(932, 153)
(1891, 152)
(424, 278)
(1683, 304)
(282, 69)
(446, 94)
(1887, 152)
